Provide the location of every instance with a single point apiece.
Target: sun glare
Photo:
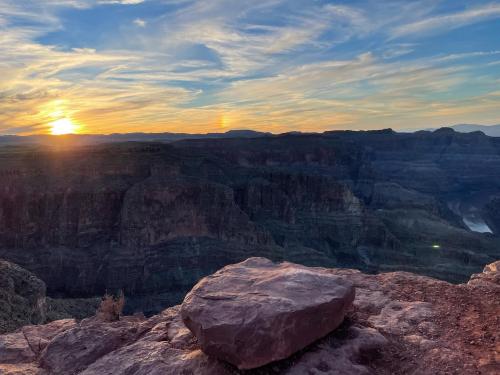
(63, 126)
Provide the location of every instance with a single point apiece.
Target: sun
(63, 126)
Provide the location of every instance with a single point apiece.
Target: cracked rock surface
(399, 323)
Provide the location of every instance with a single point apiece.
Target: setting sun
(63, 126)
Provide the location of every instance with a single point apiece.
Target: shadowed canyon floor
(153, 218)
(399, 323)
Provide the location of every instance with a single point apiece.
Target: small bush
(111, 307)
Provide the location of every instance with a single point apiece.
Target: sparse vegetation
(111, 307)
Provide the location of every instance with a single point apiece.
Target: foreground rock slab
(257, 312)
(400, 324)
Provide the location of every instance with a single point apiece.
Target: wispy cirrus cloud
(193, 65)
(364, 92)
(448, 21)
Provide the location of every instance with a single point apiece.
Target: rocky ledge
(22, 297)
(398, 323)
(23, 301)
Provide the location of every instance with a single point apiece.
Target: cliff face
(421, 194)
(400, 323)
(120, 217)
(492, 213)
(22, 298)
(152, 219)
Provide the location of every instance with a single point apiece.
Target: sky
(108, 66)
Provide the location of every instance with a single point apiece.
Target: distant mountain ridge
(87, 139)
(490, 130)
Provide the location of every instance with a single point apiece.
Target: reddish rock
(401, 324)
(340, 356)
(14, 348)
(257, 312)
(21, 369)
(73, 350)
(490, 275)
(38, 337)
(168, 348)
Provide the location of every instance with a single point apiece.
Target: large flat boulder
(400, 324)
(256, 312)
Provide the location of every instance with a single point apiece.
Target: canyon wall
(152, 218)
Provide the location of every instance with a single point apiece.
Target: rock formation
(400, 323)
(151, 219)
(492, 213)
(256, 312)
(22, 298)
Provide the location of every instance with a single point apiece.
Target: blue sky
(275, 65)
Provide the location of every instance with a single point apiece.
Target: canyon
(152, 218)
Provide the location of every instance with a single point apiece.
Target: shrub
(111, 307)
